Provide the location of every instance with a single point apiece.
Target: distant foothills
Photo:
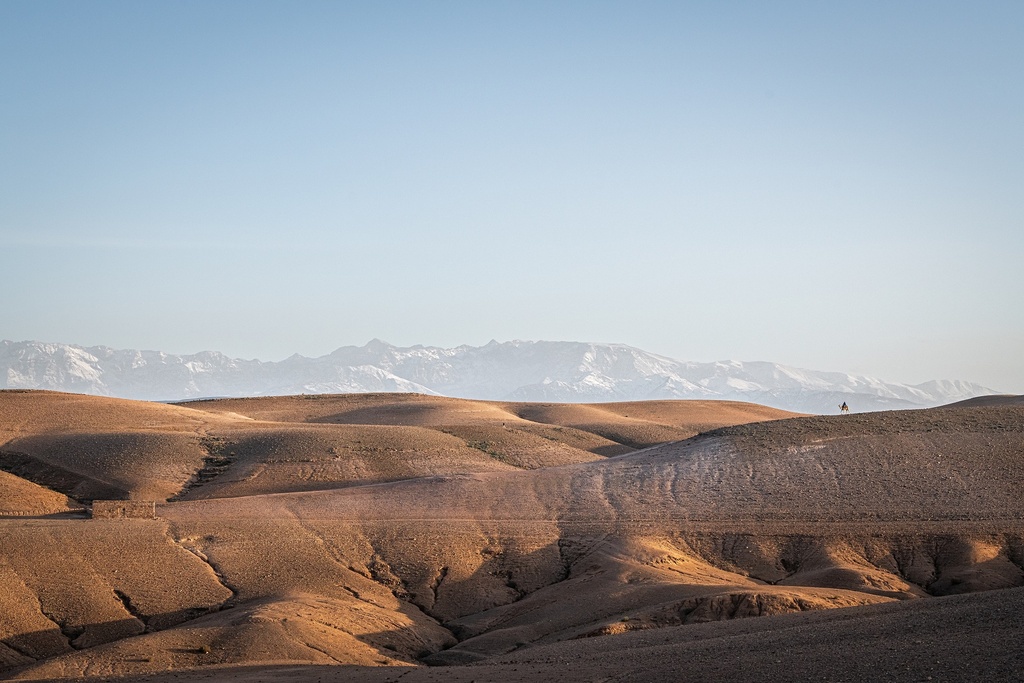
(509, 371)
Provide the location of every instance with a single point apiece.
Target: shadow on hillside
(79, 487)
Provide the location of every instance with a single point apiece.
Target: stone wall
(119, 509)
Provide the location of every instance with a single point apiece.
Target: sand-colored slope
(76, 583)
(24, 412)
(460, 565)
(796, 514)
(276, 458)
(147, 465)
(501, 585)
(494, 436)
(288, 596)
(638, 424)
(427, 411)
(989, 401)
(967, 638)
(412, 410)
(21, 497)
(631, 584)
(912, 466)
(299, 629)
(645, 423)
(91, 447)
(926, 465)
(532, 446)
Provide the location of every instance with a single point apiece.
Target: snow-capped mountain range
(514, 371)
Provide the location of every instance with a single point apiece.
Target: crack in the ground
(935, 554)
(39, 606)
(381, 573)
(565, 559)
(324, 652)
(511, 584)
(133, 610)
(341, 561)
(442, 574)
(572, 549)
(70, 633)
(216, 462)
(230, 602)
(380, 570)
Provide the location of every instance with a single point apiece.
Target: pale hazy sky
(837, 186)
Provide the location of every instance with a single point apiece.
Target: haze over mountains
(515, 370)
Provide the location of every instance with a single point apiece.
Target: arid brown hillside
(966, 638)
(21, 497)
(983, 401)
(384, 531)
(89, 447)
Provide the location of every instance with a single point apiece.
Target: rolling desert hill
(966, 638)
(499, 540)
(996, 400)
(21, 497)
(94, 447)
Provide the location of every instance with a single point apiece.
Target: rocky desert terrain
(384, 536)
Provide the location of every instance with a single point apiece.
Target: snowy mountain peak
(515, 370)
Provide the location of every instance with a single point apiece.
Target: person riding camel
(844, 408)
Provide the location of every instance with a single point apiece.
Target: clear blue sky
(837, 186)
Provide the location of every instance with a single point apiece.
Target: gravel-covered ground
(365, 538)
